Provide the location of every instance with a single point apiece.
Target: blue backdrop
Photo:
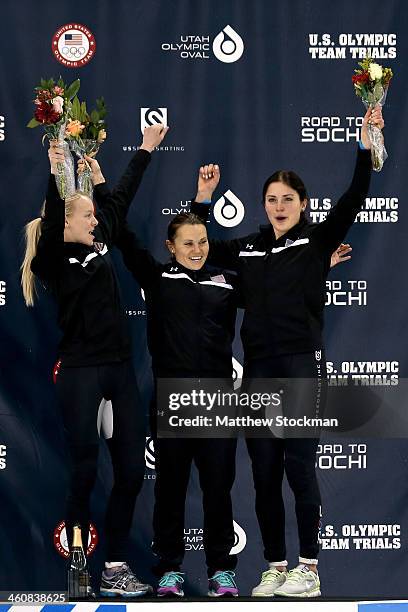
(267, 92)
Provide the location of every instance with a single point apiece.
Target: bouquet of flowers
(52, 107)
(86, 131)
(371, 84)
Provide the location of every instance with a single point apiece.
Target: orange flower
(74, 128)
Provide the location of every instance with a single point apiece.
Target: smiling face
(80, 222)
(190, 246)
(283, 207)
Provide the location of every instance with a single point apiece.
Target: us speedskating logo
(152, 116)
(150, 456)
(73, 45)
(61, 540)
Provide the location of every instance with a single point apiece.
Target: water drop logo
(229, 210)
(152, 116)
(239, 541)
(237, 373)
(228, 46)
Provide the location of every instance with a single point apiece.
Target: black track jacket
(190, 314)
(82, 279)
(283, 281)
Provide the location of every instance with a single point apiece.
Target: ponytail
(32, 236)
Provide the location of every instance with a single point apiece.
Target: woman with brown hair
(283, 270)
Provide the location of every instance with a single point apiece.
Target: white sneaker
(301, 582)
(271, 580)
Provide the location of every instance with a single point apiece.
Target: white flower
(375, 71)
(57, 104)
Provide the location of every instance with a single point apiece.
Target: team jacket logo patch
(219, 278)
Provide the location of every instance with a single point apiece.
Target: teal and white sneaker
(222, 584)
(170, 585)
(271, 580)
(301, 582)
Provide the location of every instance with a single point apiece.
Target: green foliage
(33, 123)
(73, 109)
(72, 89)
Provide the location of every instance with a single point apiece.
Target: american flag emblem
(219, 278)
(73, 39)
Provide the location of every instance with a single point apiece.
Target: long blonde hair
(32, 236)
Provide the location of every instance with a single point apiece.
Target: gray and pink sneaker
(222, 584)
(170, 585)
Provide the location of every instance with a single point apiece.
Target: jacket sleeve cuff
(101, 190)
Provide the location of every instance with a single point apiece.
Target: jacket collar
(77, 249)
(268, 233)
(195, 275)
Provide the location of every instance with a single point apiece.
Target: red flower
(44, 113)
(44, 94)
(360, 78)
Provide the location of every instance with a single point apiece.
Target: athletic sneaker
(122, 581)
(170, 584)
(301, 582)
(222, 584)
(271, 580)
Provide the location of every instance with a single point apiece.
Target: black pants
(80, 392)
(272, 457)
(215, 461)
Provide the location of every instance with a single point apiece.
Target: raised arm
(48, 261)
(331, 232)
(137, 258)
(223, 253)
(114, 204)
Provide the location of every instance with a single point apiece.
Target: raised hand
(96, 172)
(340, 254)
(55, 155)
(153, 136)
(208, 179)
(373, 116)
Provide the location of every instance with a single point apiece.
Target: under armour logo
(98, 246)
(173, 269)
(249, 247)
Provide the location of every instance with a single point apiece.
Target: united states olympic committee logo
(61, 540)
(73, 45)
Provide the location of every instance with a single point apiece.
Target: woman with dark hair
(191, 311)
(68, 249)
(283, 270)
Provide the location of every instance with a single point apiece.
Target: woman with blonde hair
(68, 249)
